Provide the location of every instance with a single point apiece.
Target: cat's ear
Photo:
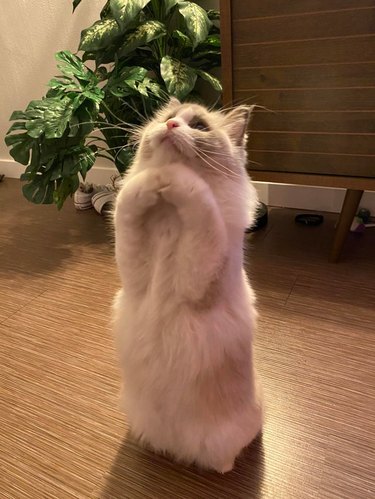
(236, 122)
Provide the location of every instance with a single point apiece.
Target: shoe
(83, 197)
(103, 201)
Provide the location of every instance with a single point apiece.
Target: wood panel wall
(311, 64)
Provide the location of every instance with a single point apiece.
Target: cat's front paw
(140, 192)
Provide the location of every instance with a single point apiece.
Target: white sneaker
(83, 197)
(103, 201)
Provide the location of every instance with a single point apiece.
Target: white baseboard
(308, 197)
(283, 195)
(10, 168)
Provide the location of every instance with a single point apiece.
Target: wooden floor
(61, 433)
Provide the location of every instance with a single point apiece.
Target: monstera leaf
(196, 21)
(76, 78)
(71, 66)
(178, 77)
(20, 145)
(125, 11)
(55, 180)
(49, 116)
(99, 35)
(125, 83)
(39, 192)
(145, 33)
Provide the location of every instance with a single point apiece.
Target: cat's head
(211, 140)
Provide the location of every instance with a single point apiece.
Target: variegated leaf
(178, 77)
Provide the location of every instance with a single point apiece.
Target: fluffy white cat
(184, 318)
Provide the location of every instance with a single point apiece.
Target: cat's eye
(198, 125)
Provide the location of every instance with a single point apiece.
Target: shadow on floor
(139, 473)
(43, 238)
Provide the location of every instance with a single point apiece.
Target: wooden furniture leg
(348, 211)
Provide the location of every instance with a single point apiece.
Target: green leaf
(124, 159)
(215, 82)
(213, 55)
(125, 11)
(125, 83)
(56, 167)
(18, 125)
(178, 77)
(49, 116)
(145, 33)
(66, 187)
(17, 115)
(70, 65)
(213, 15)
(84, 160)
(169, 4)
(94, 93)
(34, 191)
(106, 11)
(152, 87)
(20, 144)
(89, 56)
(181, 38)
(61, 170)
(101, 73)
(78, 159)
(212, 41)
(196, 21)
(62, 86)
(99, 35)
(75, 4)
(83, 120)
(136, 73)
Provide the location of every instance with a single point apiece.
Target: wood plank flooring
(61, 433)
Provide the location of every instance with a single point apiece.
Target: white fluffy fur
(185, 316)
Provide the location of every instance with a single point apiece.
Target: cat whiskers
(230, 172)
(107, 127)
(203, 157)
(120, 148)
(118, 118)
(226, 155)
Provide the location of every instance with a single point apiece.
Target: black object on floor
(309, 219)
(261, 218)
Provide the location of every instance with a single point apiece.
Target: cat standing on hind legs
(184, 319)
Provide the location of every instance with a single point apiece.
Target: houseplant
(130, 61)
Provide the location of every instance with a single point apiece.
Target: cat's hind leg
(221, 445)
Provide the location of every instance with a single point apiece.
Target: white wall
(31, 31)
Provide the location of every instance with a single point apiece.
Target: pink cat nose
(172, 124)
